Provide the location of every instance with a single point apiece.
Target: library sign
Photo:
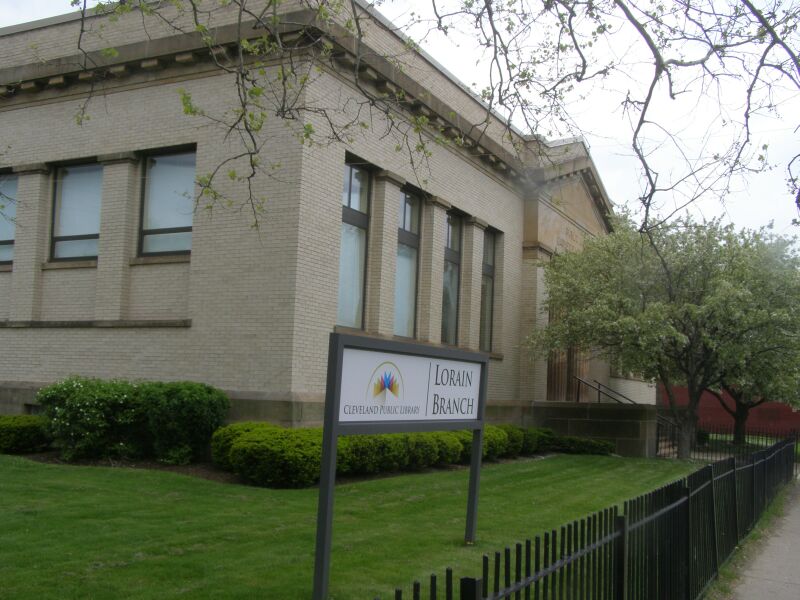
(384, 386)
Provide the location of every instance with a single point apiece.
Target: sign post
(385, 386)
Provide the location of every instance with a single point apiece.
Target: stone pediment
(567, 202)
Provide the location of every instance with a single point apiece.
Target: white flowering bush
(168, 421)
(94, 418)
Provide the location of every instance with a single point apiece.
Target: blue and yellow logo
(385, 384)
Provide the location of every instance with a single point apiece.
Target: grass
(93, 532)
(729, 573)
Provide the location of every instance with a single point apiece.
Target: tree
(670, 304)
(763, 363)
(726, 61)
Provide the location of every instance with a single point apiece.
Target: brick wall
(252, 308)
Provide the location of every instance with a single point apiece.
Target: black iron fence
(712, 443)
(667, 544)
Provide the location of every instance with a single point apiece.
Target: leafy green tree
(763, 363)
(672, 304)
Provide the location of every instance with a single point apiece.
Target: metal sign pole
(474, 483)
(327, 481)
(322, 560)
(475, 464)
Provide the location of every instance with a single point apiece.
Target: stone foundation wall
(631, 428)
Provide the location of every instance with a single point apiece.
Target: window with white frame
(168, 204)
(76, 212)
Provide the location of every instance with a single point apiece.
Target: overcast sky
(761, 199)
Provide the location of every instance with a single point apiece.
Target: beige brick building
(105, 272)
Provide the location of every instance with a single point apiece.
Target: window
(487, 291)
(8, 213)
(352, 259)
(452, 272)
(168, 204)
(76, 214)
(405, 285)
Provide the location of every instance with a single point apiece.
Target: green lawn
(91, 532)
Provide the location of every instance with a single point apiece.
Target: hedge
(224, 437)
(264, 454)
(575, 445)
(23, 433)
(181, 418)
(279, 457)
(516, 439)
(536, 439)
(94, 418)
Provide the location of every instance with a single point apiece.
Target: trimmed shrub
(370, 454)
(465, 439)
(574, 445)
(358, 455)
(182, 416)
(495, 442)
(515, 440)
(285, 458)
(223, 438)
(23, 433)
(449, 447)
(92, 418)
(702, 436)
(536, 439)
(423, 451)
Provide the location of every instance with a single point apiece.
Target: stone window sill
(161, 260)
(70, 264)
(112, 323)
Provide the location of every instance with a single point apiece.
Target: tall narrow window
(452, 276)
(487, 291)
(8, 214)
(405, 285)
(168, 205)
(352, 259)
(76, 218)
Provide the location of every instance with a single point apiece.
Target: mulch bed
(202, 470)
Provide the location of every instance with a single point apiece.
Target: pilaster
(469, 312)
(382, 253)
(431, 267)
(34, 190)
(118, 221)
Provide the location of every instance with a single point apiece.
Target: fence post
(621, 557)
(736, 500)
(471, 589)
(688, 533)
(755, 516)
(714, 520)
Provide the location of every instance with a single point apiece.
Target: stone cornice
(148, 61)
(22, 84)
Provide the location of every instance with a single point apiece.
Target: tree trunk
(686, 436)
(740, 424)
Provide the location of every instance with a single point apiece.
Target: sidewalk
(774, 574)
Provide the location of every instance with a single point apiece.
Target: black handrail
(599, 391)
(620, 394)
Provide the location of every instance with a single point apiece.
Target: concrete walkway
(774, 573)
